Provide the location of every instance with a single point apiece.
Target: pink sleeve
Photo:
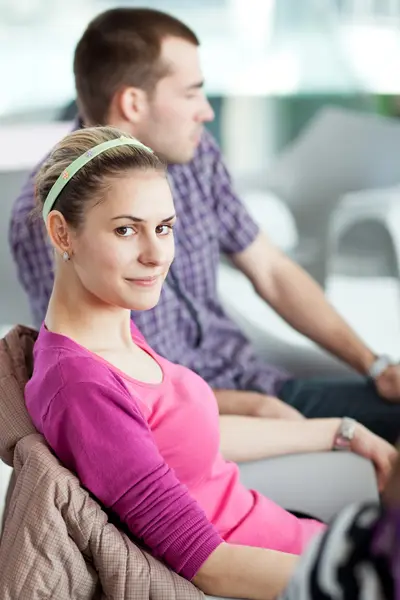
(98, 431)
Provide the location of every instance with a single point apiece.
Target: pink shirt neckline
(73, 345)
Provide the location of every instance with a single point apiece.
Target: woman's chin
(147, 302)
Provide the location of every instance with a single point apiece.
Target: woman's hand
(381, 453)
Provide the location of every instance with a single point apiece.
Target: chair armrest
(319, 484)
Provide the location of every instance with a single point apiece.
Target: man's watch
(345, 434)
(379, 366)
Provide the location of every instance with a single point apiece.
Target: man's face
(177, 108)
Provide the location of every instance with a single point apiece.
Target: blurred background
(307, 101)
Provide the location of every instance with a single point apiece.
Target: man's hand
(388, 383)
(253, 404)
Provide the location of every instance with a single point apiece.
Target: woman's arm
(98, 432)
(251, 438)
(245, 572)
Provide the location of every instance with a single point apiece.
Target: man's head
(139, 70)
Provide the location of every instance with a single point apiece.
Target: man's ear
(132, 104)
(59, 233)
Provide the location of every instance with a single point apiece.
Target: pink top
(150, 453)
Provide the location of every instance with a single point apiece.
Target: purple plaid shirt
(189, 325)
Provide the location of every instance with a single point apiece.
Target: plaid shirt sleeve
(237, 230)
(31, 251)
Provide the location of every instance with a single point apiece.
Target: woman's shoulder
(59, 362)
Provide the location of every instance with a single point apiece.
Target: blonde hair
(90, 182)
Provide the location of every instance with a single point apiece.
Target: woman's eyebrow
(137, 220)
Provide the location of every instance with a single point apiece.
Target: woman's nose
(153, 253)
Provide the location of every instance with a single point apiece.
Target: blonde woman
(142, 433)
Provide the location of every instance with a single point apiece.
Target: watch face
(379, 366)
(345, 434)
(347, 429)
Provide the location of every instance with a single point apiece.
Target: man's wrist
(366, 361)
(374, 365)
(379, 366)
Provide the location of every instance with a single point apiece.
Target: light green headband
(80, 162)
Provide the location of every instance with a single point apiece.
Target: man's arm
(254, 404)
(240, 238)
(300, 301)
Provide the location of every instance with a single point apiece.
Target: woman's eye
(124, 231)
(163, 229)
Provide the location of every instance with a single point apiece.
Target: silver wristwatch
(345, 434)
(380, 364)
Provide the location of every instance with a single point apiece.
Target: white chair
(273, 217)
(354, 297)
(337, 152)
(364, 234)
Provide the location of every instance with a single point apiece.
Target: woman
(141, 433)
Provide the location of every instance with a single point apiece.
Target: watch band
(345, 434)
(380, 364)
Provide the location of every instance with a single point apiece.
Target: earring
(65, 256)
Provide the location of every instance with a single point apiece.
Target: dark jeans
(319, 398)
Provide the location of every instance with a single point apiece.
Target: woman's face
(123, 251)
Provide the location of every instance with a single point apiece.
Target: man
(139, 70)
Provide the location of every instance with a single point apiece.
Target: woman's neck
(78, 315)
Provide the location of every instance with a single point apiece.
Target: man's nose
(206, 113)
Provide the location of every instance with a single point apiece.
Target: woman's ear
(59, 232)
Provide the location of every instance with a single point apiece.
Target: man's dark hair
(120, 48)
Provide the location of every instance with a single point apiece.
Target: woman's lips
(145, 281)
